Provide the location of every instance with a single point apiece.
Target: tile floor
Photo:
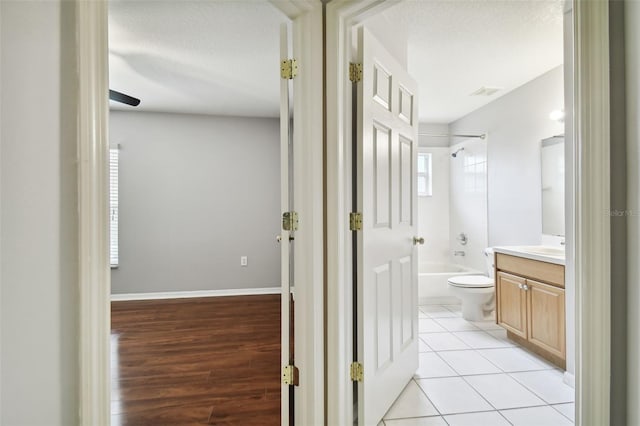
(470, 374)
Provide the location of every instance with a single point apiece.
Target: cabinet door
(511, 303)
(546, 320)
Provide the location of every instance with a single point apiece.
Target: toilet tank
(489, 259)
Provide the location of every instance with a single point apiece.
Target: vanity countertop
(541, 253)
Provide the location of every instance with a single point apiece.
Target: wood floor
(209, 361)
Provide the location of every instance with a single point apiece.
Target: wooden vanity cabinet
(530, 305)
(511, 306)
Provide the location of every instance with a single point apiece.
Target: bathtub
(432, 282)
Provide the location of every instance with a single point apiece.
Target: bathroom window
(424, 174)
(113, 207)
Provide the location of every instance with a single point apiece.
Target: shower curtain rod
(446, 135)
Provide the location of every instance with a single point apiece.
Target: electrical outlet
(243, 261)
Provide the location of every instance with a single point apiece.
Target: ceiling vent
(486, 91)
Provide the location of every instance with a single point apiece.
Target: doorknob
(418, 240)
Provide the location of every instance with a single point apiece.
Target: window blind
(113, 206)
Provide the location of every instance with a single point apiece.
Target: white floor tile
(456, 324)
(548, 385)
(568, 410)
(431, 365)
(489, 418)
(501, 334)
(503, 392)
(536, 416)
(436, 311)
(480, 339)
(468, 362)
(453, 395)
(457, 309)
(412, 402)
(515, 359)
(427, 325)
(443, 341)
(487, 325)
(423, 347)
(421, 421)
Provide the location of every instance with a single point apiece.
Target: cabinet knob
(525, 287)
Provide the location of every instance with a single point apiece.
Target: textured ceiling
(457, 46)
(207, 57)
(221, 57)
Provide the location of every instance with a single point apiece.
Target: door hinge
(355, 221)
(355, 72)
(290, 221)
(290, 375)
(288, 69)
(357, 372)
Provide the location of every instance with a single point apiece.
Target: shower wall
(468, 203)
(433, 211)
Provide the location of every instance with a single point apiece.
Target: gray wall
(38, 249)
(632, 41)
(516, 123)
(196, 193)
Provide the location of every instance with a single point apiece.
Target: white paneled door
(287, 359)
(387, 297)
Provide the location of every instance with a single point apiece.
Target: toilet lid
(471, 281)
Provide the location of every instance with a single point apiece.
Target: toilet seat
(471, 281)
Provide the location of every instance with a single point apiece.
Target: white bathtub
(432, 282)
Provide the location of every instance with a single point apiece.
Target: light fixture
(557, 115)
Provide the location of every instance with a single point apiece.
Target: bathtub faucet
(458, 253)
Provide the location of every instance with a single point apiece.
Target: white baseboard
(192, 294)
(569, 379)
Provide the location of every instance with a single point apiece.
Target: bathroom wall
(468, 203)
(516, 123)
(426, 132)
(196, 193)
(433, 211)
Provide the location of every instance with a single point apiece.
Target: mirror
(552, 163)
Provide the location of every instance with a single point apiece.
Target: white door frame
(592, 235)
(93, 190)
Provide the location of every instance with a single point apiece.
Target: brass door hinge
(288, 69)
(290, 221)
(357, 372)
(290, 375)
(355, 221)
(355, 72)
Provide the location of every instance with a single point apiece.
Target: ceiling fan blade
(122, 98)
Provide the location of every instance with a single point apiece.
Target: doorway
(345, 19)
(195, 210)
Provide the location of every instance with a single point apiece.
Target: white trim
(93, 200)
(569, 379)
(193, 294)
(308, 202)
(592, 223)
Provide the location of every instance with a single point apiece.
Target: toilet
(475, 291)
